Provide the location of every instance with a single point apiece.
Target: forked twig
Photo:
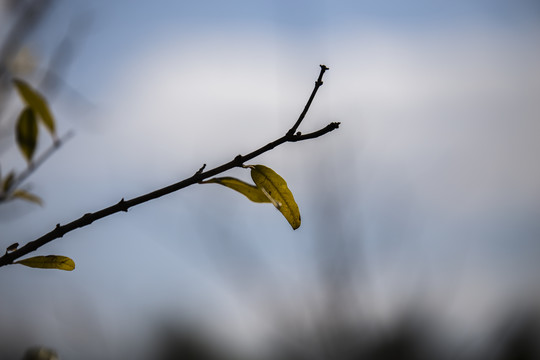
(123, 205)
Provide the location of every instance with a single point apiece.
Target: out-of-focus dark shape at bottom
(40, 353)
(408, 340)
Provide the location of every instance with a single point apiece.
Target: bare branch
(123, 205)
(318, 84)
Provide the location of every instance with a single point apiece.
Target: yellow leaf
(26, 133)
(25, 195)
(275, 188)
(253, 193)
(37, 102)
(49, 262)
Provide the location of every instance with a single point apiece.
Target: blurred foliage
(27, 136)
(37, 103)
(40, 353)
(19, 58)
(188, 344)
(26, 133)
(400, 341)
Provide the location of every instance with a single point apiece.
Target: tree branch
(123, 205)
(318, 84)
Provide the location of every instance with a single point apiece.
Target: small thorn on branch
(239, 160)
(58, 229)
(122, 205)
(199, 172)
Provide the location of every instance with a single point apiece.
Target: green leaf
(253, 193)
(275, 188)
(38, 103)
(49, 262)
(25, 195)
(26, 133)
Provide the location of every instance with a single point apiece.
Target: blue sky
(432, 177)
(129, 27)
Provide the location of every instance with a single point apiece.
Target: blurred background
(420, 234)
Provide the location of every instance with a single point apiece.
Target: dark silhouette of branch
(318, 84)
(123, 205)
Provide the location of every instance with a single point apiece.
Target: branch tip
(318, 84)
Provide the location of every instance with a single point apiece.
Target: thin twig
(318, 84)
(123, 205)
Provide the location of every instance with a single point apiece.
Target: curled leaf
(26, 133)
(277, 191)
(252, 192)
(25, 195)
(38, 103)
(49, 262)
